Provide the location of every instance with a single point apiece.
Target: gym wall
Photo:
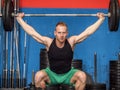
(103, 42)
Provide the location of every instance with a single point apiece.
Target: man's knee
(40, 78)
(79, 78)
(79, 75)
(39, 75)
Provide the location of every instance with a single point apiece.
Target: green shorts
(60, 78)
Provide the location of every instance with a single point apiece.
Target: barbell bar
(66, 15)
(113, 15)
(57, 15)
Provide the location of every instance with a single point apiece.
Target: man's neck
(60, 44)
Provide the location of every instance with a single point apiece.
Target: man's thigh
(60, 78)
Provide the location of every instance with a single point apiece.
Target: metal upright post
(18, 82)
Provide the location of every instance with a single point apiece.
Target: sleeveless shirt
(60, 58)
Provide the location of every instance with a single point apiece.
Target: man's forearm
(27, 28)
(91, 29)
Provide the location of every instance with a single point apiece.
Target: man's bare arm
(88, 31)
(31, 31)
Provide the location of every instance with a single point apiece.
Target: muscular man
(60, 54)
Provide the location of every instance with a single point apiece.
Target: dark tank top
(60, 58)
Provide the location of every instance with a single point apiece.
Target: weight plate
(89, 78)
(114, 62)
(115, 76)
(112, 88)
(3, 11)
(114, 70)
(52, 87)
(44, 62)
(115, 80)
(114, 73)
(67, 87)
(77, 64)
(112, 18)
(113, 83)
(8, 20)
(117, 15)
(116, 86)
(115, 65)
(96, 86)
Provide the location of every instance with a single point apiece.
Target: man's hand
(20, 15)
(100, 15)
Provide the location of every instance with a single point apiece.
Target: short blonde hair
(62, 24)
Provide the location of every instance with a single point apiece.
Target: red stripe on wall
(64, 3)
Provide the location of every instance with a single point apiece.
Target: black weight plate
(89, 78)
(115, 64)
(96, 86)
(117, 15)
(77, 63)
(52, 87)
(43, 66)
(37, 88)
(8, 20)
(115, 86)
(112, 88)
(115, 76)
(115, 69)
(115, 82)
(111, 19)
(43, 51)
(115, 72)
(111, 62)
(44, 62)
(3, 11)
(112, 77)
(67, 87)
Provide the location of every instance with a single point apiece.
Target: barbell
(8, 15)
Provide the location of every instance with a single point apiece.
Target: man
(60, 54)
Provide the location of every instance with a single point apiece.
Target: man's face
(61, 33)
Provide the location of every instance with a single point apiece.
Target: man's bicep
(39, 38)
(79, 38)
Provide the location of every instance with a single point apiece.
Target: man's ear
(55, 32)
(67, 33)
